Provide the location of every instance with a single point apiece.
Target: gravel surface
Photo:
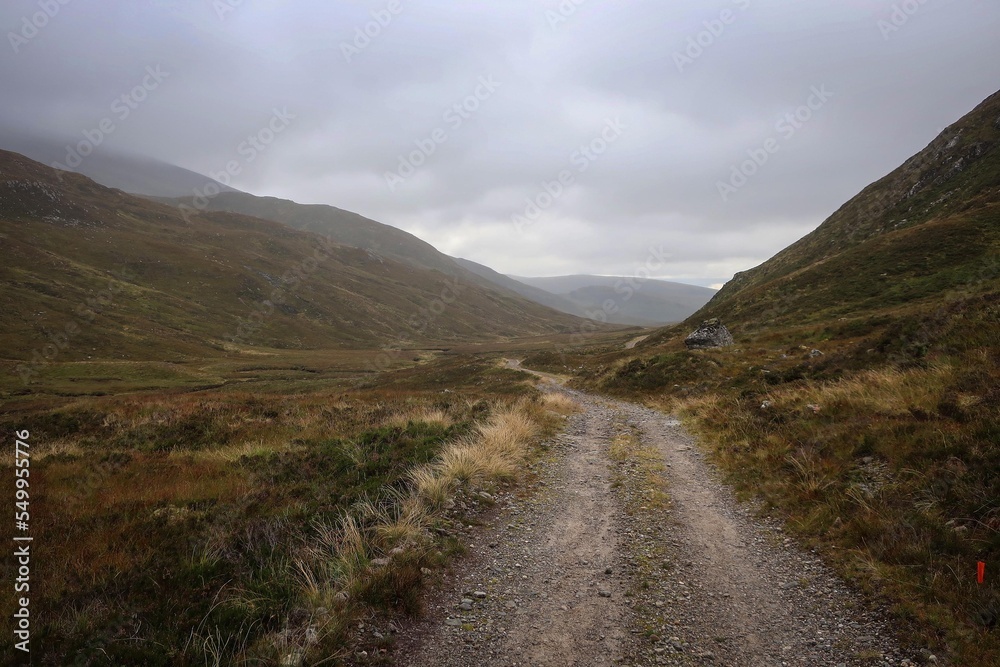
(591, 569)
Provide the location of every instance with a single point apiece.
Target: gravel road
(588, 569)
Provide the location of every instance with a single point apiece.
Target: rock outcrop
(711, 333)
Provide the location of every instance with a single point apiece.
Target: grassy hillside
(860, 402)
(928, 227)
(92, 273)
(354, 230)
(341, 226)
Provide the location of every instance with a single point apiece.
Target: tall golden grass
(894, 469)
(391, 532)
(420, 415)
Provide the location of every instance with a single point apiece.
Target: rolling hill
(633, 301)
(341, 227)
(536, 294)
(176, 186)
(170, 184)
(93, 272)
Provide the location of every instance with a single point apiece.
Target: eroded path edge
(630, 551)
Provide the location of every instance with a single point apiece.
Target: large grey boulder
(711, 333)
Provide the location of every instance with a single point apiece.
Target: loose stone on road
(588, 571)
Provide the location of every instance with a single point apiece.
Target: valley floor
(630, 551)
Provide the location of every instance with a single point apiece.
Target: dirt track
(583, 573)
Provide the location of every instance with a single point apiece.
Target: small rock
(604, 593)
(479, 595)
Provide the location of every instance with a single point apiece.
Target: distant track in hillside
(635, 341)
(575, 575)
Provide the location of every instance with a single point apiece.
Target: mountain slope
(174, 185)
(632, 301)
(931, 225)
(340, 226)
(861, 401)
(136, 175)
(358, 231)
(536, 294)
(96, 272)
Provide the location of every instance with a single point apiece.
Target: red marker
(981, 572)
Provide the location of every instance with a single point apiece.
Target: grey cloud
(687, 126)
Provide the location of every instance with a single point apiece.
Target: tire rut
(562, 582)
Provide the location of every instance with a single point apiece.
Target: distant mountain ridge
(648, 303)
(652, 305)
(106, 274)
(625, 300)
(528, 291)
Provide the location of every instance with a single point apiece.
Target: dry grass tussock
(560, 403)
(380, 538)
(420, 415)
(896, 468)
(494, 451)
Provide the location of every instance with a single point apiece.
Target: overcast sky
(642, 109)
